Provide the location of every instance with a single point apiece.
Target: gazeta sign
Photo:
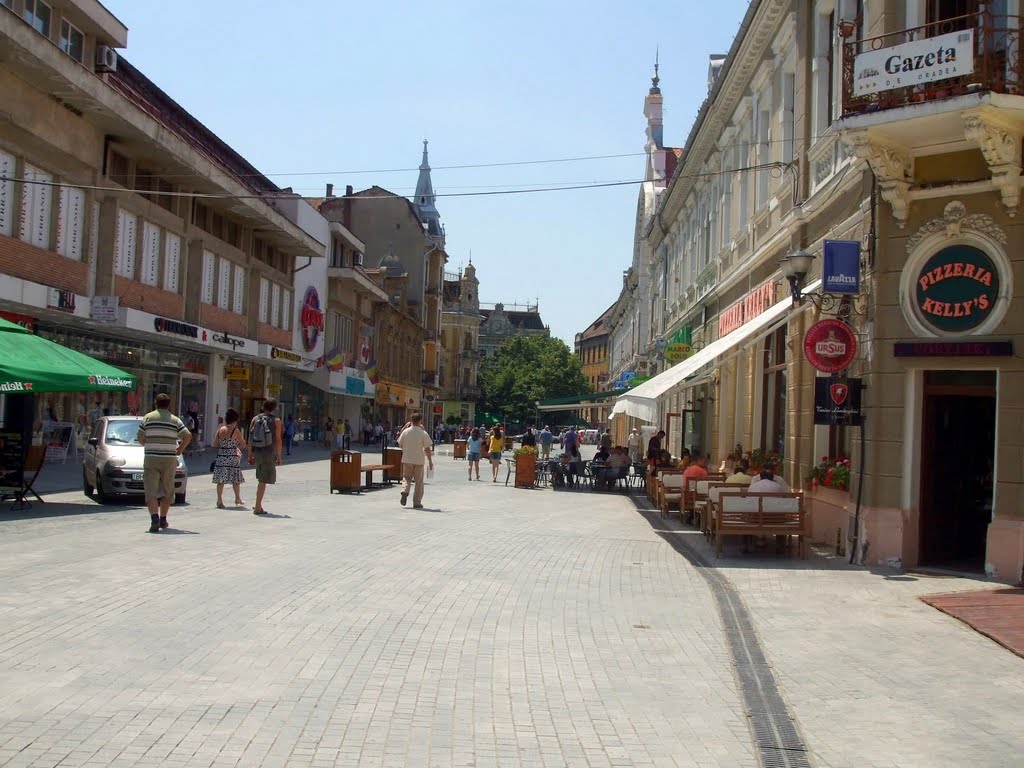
(914, 63)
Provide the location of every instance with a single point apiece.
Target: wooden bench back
(672, 481)
(715, 488)
(741, 510)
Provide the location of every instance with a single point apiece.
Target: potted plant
(830, 472)
(526, 466)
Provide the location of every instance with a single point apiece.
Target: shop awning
(576, 402)
(30, 363)
(642, 401)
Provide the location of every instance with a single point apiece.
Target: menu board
(11, 447)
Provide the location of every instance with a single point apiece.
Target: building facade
(132, 233)
(460, 389)
(591, 347)
(808, 138)
(501, 322)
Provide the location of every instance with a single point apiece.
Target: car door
(90, 450)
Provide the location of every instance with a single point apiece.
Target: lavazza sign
(915, 63)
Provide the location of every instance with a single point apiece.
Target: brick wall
(219, 319)
(149, 299)
(32, 263)
(267, 334)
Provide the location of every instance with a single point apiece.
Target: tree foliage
(525, 369)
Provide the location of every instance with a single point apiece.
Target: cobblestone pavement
(495, 627)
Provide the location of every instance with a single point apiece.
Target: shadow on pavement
(60, 509)
(272, 516)
(177, 532)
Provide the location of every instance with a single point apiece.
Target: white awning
(642, 402)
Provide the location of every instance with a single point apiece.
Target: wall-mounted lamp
(795, 267)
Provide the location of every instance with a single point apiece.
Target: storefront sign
(236, 373)
(915, 63)
(841, 272)
(103, 309)
(355, 386)
(311, 319)
(747, 308)
(830, 345)
(274, 389)
(233, 343)
(26, 322)
(177, 328)
(276, 353)
(954, 349)
(679, 348)
(837, 401)
(956, 289)
(61, 300)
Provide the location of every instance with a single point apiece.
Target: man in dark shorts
(265, 444)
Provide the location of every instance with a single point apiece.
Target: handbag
(213, 464)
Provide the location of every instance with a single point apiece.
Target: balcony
(428, 378)
(469, 391)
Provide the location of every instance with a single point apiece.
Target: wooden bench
(742, 513)
(670, 492)
(369, 469)
(653, 480)
(707, 513)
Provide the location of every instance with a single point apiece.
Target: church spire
(425, 200)
(655, 146)
(655, 80)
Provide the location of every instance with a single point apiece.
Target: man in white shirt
(769, 482)
(417, 450)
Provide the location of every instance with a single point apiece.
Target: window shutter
(94, 236)
(286, 310)
(275, 306)
(264, 296)
(6, 193)
(209, 267)
(124, 263)
(172, 262)
(36, 202)
(70, 223)
(224, 284)
(239, 304)
(150, 253)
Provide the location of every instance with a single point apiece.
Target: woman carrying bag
(227, 467)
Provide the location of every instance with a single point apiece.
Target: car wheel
(101, 495)
(85, 484)
(179, 498)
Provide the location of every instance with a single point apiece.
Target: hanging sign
(841, 269)
(236, 373)
(838, 402)
(311, 319)
(830, 345)
(956, 289)
(57, 298)
(918, 62)
(679, 348)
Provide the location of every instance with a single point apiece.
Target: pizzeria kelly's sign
(915, 63)
(956, 289)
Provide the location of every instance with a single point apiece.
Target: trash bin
(393, 456)
(345, 467)
(459, 451)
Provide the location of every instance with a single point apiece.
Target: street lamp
(795, 267)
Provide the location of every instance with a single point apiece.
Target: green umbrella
(30, 363)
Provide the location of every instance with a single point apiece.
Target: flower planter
(526, 470)
(828, 510)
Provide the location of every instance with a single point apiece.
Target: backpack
(262, 434)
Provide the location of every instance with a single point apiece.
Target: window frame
(33, 19)
(65, 41)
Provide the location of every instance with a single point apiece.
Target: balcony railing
(914, 72)
(429, 378)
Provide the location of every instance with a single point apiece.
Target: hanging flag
(335, 359)
(371, 373)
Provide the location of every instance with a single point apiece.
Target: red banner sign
(747, 308)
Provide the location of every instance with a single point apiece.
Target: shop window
(239, 303)
(70, 222)
(209, 269)
(773, 393)
(6, 192)
(36, 201)
(149, 272)
(124, 256)
(172, 262)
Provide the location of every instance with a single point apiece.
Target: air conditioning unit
(357, 258)
(106, 59)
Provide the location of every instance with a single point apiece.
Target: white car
(113, 461)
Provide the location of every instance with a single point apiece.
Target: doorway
(957, 464)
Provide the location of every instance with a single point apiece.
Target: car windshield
(123, 432)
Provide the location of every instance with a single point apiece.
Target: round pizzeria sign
(830, 346)
(311, 320)
(956, 289)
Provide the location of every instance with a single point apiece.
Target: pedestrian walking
(227, 466)
(367, 432)
(417, 450)
(289, 433)
(347, 441)
(473, 446)
(546, 439)
(633, 443)
(496, 447)
(328, 432)
(265, 443)
(606, 440)
(164, 438)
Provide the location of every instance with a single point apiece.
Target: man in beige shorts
(164, 437)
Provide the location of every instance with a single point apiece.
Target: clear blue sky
(332, 87)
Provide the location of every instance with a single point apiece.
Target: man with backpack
(265, 446)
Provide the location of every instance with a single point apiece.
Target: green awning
(30, 363)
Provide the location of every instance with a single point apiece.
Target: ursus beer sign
(956, 289)
(830, 346)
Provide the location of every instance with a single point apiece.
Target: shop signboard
(837, 402)
(830, 345)
(276, 353)
(311, 319)
(956, 289)
(355, 385)
(953, 349)
(224, 340)
(914, 63)
(166, 326)
(104, 309)
(11, 449)
(61, 300)
(236, 373)
(26, 322)
(750, 306)
(841, 271)
(679, 348)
